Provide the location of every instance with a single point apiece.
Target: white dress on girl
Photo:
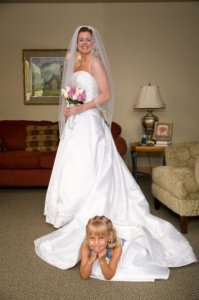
(90, 178)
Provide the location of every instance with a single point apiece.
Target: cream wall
(146, 42)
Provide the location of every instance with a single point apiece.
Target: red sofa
(22, 168)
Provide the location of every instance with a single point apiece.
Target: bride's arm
(101, 78)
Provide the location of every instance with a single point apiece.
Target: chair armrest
(196, 171)
(178, 181)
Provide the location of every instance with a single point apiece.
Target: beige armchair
(176, 184)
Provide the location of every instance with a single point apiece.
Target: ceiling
(90, 1)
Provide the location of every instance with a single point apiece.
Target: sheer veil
(70, 59)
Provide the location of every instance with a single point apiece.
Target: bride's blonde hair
(103, 225)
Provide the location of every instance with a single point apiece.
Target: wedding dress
(90, 178)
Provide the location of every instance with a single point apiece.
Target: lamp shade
(149, 98)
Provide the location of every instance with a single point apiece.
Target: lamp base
(148, 122)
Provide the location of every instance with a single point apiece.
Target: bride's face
(85, 42)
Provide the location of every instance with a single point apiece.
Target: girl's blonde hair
(100, 225)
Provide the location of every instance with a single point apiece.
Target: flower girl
(101, 245)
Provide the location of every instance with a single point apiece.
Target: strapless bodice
(86, 81)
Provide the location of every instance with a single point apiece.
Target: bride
(90, 178)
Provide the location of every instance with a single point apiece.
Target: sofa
(28, 149)
(176, 184)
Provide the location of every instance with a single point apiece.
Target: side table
(136, 148)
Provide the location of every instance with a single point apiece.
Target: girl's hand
(92, 258)
(102, 254)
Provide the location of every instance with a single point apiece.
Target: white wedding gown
(90, 178)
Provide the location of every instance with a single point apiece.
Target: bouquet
(74, 95)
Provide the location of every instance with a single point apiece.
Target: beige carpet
(24, 276)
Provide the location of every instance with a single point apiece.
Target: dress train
(90, 178)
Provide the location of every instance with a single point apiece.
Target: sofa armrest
(178, 181)
(115, 129)
(119, 141)
(120, 145)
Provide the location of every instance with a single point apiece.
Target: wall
(146, 42)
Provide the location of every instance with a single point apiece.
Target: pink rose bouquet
(74, 95)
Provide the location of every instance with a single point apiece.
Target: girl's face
(97, 242)
(84, 42)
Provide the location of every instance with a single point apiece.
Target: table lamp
(149, 99)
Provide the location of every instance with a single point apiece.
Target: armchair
(176, 184)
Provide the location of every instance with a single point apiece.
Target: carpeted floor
(24, 276)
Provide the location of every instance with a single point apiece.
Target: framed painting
(163, 131)
(42, 75)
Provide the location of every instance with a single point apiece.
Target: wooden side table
(138, 148)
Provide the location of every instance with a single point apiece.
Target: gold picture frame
(42, 75)
(163, 131)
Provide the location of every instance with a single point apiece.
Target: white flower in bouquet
(74, 95)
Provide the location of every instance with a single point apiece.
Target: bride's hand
(67, 111)
(73, 110)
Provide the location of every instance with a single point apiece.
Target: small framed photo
(163, 131)
(42, 74)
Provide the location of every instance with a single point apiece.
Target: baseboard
(144, 170)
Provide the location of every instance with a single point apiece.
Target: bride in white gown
(90, 178)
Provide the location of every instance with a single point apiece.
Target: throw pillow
(42, 138)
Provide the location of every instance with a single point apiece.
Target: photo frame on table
(42, 75)
(163, 131)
